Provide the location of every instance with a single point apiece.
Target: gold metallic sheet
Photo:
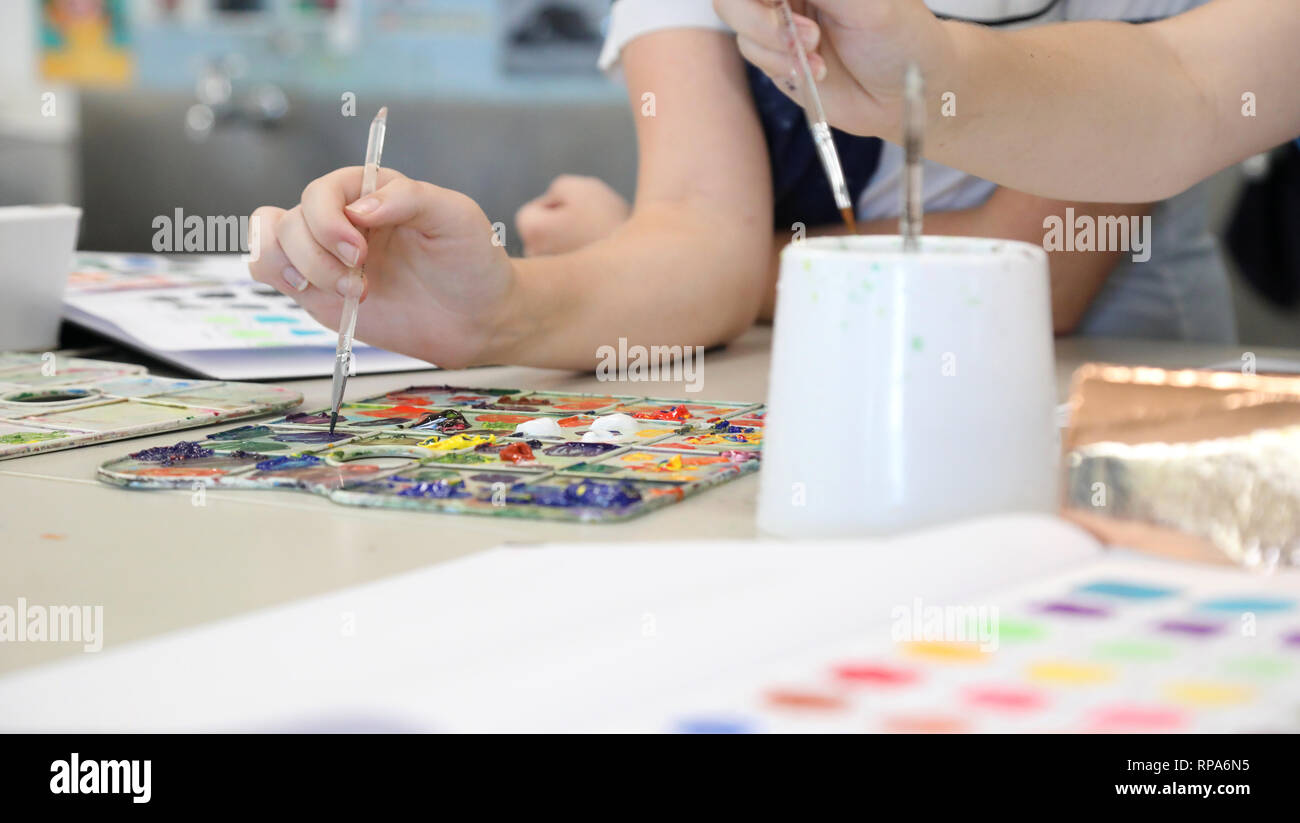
(1197, 464)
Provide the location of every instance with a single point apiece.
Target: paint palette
(457, 449)
(1100, 649)
(48, 403)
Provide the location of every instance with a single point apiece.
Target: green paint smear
(1019, 631)
(1134, 651)
(29, 437)
(595, 468)
(250, 334)
(918, 343)
(496, 425)
(468, 458)
(1258, 667)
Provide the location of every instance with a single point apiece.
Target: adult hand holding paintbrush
(859, 51)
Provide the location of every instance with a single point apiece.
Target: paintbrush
(801, 75)
(913, 207)
(348, 321)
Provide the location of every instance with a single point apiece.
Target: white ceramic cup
(37, 244)
(908, 389)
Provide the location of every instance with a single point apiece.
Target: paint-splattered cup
(37, 244)
(908, 389)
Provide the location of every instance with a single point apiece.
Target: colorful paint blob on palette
(1091, 650)
(49, 403)
(474, 451)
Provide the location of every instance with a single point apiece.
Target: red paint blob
(870, 674)
(800, 699)
(675, 413)
(1005, 698)
(518, 453)
(1136, 719)
(924, 724)
(396, 411)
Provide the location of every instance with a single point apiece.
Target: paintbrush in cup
(801, 75)
(352, 303)
(913, 208)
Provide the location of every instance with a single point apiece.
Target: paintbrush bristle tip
(383, 113)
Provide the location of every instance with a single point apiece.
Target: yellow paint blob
(1065, 673)
(460, 441)
(1202, 693)
(946, 652)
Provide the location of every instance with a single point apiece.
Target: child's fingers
(319, 265)
(268, 263)
(427, 208)
(322, 208)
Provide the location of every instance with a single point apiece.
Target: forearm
(668, 276)
(1114, 111)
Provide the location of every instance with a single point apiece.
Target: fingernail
(350, 285)
(364, 206)
(294, 278)
(348, 253)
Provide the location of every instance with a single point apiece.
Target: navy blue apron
(800, 191)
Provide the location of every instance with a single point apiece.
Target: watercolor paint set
(50, 403)
(493, 451)
(1109, 647)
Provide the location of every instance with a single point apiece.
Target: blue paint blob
(438, 489)
(603, 495)
(288, 462)
(579, 449)
(713, 725)
(184, 450)
(723, 427)
(1248, 604)
(1128, 591)
(587, 493)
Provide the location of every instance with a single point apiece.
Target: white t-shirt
(1181, 293)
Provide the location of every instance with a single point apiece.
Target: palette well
(493, 451)
(47, 404)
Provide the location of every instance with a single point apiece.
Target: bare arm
(688, 266)
(1087, 111)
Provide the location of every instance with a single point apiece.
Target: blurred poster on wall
(558, 36)
(85, 42)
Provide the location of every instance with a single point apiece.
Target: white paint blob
(611, 428)
(540, 427)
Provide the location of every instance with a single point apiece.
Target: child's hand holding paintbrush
(443, 283)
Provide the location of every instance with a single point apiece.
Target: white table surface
(156, 562)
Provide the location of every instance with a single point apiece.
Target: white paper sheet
(568, 637)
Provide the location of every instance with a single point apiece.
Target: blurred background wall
(134, 108)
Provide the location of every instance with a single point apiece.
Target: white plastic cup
(908, 389)
(37, 244)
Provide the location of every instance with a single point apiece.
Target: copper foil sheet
(1197, 464)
